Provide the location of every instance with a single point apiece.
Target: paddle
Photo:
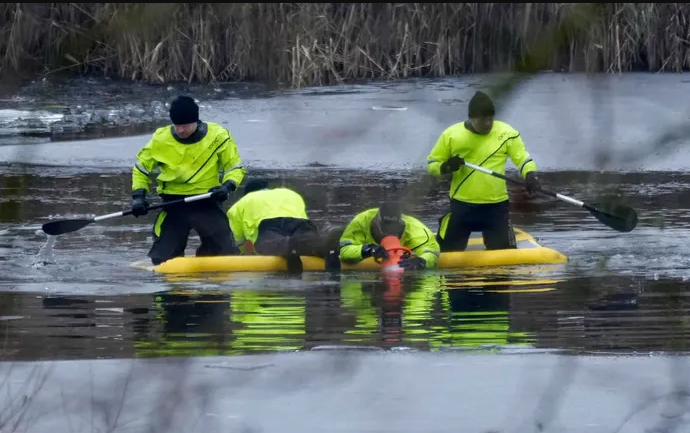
(55, 228)
(616, 216)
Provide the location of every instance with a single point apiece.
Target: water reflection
(416, 311)
(481, 317)
(423, 311)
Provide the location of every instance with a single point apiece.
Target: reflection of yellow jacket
(259, 321)
(188, 169)
(416, 237)
(254, 321)
(417, 307)
(490, 151)
(184, 341)
(423, 323)
(267, 321)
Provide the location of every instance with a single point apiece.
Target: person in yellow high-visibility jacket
(276, 222)
(192, 157)
(479, 202)
(362, 236)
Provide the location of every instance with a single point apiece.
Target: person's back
(276, 222)
(246, 214)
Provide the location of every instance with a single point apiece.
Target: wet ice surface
(351, 391)
(62, 108)
(569, 121)
(345, 149)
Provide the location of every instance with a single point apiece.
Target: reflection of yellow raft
(528, 252)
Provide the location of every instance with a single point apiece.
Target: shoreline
(312, 44)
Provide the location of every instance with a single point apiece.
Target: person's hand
(410, 263)
(375, 250)
(140, 206)
(222, 192)
(453, 164)
(532, 184)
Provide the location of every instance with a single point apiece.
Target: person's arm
(143, 167)
(233, 168)
(520, 156)
(518, 153)
(352, 240)
(440, 162)
(423, 243)
(235, 219)
(439, 154)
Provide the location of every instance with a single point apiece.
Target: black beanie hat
(481, 106)
(183, 110)
(390, 212)
(255, 185)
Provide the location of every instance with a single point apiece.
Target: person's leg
(210, 222)
(330, 241)
(274, 240)
(458, 229)
(306, 239)
(170, 233)
(498, 232)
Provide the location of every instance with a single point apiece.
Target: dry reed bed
(300, 44)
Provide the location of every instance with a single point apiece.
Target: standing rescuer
(479, 202)
(193, 157)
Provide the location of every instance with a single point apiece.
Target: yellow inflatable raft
(528, 252)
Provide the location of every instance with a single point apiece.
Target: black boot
(294, 264)
(294, 261)
(332, 261)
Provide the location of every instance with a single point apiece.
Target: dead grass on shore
(297, 44)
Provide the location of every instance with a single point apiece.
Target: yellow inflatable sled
(528, 252)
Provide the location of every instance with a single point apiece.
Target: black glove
(375, 250)
(140, 206)
(221, 192)
(532, 182)
(410, 263)
(453, 164)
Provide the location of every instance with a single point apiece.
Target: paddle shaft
(154, 207)
(617, 216)
(55, 228)
(562, 197)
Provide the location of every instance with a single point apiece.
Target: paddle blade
(616, 216)
(55, 228)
